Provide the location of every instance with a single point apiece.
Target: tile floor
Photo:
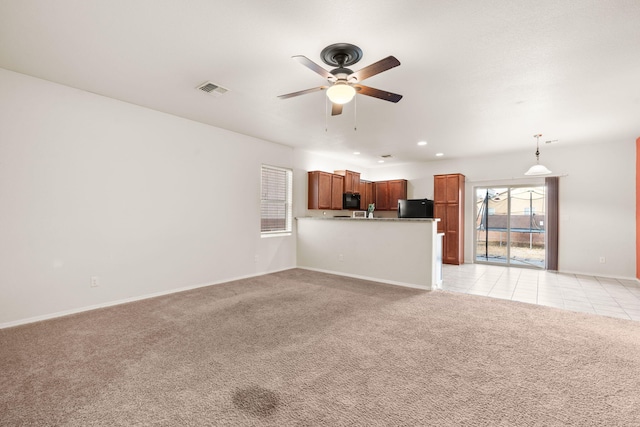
(589, 294)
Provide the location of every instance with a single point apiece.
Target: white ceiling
(478, 77)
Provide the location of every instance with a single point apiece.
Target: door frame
(509, 186)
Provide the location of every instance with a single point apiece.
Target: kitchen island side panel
(396, 251)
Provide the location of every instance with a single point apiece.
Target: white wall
(597, 198)
(150, 203)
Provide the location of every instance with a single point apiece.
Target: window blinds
(275, 206)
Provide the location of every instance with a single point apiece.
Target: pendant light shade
(537, 169)
(340, 93)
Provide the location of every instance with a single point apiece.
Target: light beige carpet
(311, 349)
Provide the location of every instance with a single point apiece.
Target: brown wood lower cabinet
(452, 248)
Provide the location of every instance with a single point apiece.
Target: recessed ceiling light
(356, 152)
(380, 161)
(439, 154)
(422, 143)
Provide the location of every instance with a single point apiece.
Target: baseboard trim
(559, 271)
(371, 279)
(128, 300)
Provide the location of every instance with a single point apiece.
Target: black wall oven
(350, 201)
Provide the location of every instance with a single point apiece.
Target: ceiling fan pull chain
(326, 113)
(355, 113)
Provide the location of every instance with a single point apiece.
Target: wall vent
(212, 89)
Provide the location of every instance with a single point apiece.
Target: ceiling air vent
(212, 89)
(386, 156)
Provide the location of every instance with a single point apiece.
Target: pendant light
(537, 169)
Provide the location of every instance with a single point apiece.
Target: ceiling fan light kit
(343, 82)
(341, 93)
(537, 169)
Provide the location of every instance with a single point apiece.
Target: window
(275, 205)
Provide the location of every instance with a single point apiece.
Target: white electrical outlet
(603, 260)
(340, 258)
(95, 281)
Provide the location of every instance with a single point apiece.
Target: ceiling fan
(343, 82)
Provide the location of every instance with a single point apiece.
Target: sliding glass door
(510, 225)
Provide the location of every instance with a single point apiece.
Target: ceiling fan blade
(302, 92)
(376, 68)
(313, 66)
(336, 109)
(377, 93)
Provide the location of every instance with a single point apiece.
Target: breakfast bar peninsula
(399, 251)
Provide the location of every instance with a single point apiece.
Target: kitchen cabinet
(387, 193)
(366, 194)
(448, 195)
(381, 195)
(325, 190)
(337, 186)
(397, 191)
(351, 181)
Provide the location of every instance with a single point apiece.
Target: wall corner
(638, 208)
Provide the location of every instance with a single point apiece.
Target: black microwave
(350, 201)
(415, 208)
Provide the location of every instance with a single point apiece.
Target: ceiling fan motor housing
(341, 74)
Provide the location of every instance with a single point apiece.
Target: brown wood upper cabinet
(448, 195)
(387, 194)
(337, 189)
(366, 194)
(381, 195)
(397, 191)
(351, 181)
(325, 190)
